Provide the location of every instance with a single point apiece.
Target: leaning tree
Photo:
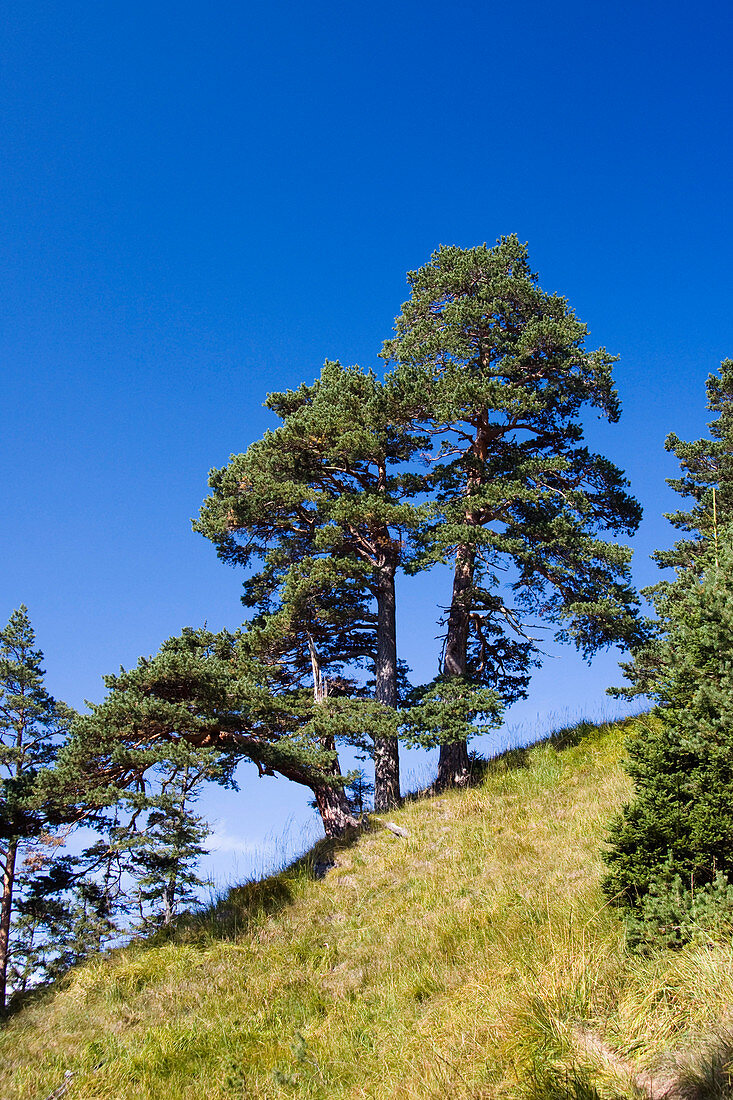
(331, 486)
(229, 697)
(495, 370)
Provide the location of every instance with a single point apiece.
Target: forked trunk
(453, 767)
(5, 910)
(386, 749)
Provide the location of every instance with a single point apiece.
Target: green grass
(475, 958)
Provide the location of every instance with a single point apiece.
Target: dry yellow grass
(474, 958)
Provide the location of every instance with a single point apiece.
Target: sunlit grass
(474, 958)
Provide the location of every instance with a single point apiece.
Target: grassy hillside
(473, 958)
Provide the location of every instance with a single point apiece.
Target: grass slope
(474, 958)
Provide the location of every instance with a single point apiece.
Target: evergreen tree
(97, 910)
(32, 725)
(329, 486)
(318, 636)
(40, 940)
(674, 838)
(707, 476)
(210, 693)
(495, 370)
(677, 832)
(707, 481)
(100, 908)
(68, 906)
(170, 842)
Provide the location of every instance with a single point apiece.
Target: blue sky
(202, 202)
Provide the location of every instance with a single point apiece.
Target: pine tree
(495, 370)
(32, 725)
(209, 692)
(170, 842)
(97, 910)
(329, 487)
(70, 905)
(41, 918)
(707, 476)
(318, 636)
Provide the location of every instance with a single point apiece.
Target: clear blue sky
(201, 202)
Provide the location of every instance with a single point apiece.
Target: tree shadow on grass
(18, 1001)
(244, 907)
(241, 909)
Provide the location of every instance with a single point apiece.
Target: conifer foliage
(707, 476)
(330, 490)
(170, 841)
(490, 372)
(32, 725)
(469, 452)
(676, 836)
(213, 700)
(495, 370)
(679, 825)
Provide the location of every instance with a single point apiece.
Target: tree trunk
(333, 806)
(453, 767)
(169, 901)
(456, 642)
(331, 800)
(332, 803)
(386, 749)
(5, 912)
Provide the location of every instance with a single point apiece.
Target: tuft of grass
(473, 958)
(707, 1074)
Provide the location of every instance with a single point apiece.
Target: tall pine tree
(495, 370)
(329, 485)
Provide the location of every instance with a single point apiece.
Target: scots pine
(495, 370)
(331, 491)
